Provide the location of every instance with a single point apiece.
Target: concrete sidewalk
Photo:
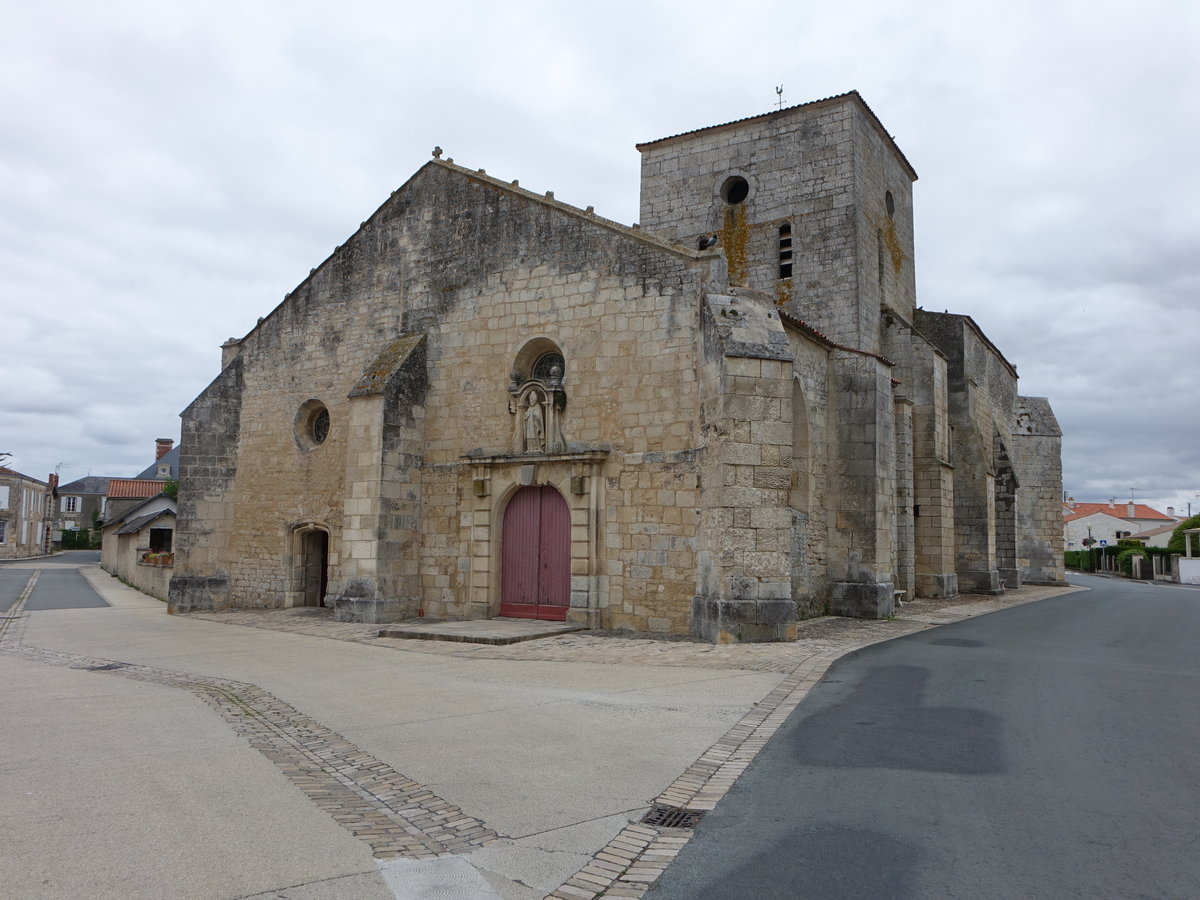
(169, 756)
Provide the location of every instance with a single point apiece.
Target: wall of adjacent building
(23, 511)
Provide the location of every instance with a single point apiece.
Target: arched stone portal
(311, 549)
(535, 570)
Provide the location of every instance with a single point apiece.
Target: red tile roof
(134, 488)
(1117, 510)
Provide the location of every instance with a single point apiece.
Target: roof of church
(1116, 510)
(589, 214)
(849, 95)
(513, 187)
(823, 338)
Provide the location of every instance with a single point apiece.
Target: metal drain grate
(108, 667)
(671, 817)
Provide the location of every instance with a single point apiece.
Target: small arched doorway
(314, 549)
(535, 567)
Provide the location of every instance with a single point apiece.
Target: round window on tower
(735, 190)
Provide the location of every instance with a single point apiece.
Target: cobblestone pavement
(391, 813)
(815, 636)
(631, 862)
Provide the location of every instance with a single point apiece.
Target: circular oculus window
(735, 189)
(320, 426)
(312, 424)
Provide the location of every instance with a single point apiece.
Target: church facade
(719, 421)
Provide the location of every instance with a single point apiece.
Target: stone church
(719, 421)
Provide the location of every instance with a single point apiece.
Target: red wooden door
(535, 573)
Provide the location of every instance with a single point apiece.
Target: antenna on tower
(779, 94)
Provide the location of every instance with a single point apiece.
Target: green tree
(1176, 545)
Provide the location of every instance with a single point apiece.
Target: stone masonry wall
(862, 499)
(208, 464)
(1037, 460)
(629, 344)
(884, 227)
(438, 260)
(745, 587)
(922, 373)
(811, 467)
(982, 397)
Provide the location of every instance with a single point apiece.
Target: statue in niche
(536, 405)
(535, 428)
(555, 443)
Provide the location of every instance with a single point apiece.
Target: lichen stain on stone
(734, 237)
(783, 292)
(893, 245)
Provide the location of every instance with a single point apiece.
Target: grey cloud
(166, 179)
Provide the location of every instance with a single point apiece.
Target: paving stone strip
(388, 811)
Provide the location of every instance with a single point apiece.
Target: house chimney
(162, 446)
(1132, 514)
(1071, 502)
(1171, 511)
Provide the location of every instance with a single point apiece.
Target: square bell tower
(811, 204)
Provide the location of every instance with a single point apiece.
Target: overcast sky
(168, 171)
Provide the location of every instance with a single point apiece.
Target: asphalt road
(60, 586)
(12, 582)
(1049, 750)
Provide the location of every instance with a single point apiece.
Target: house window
(160, 540)
(785, 250)
(3, 496)
(70, 504)
(3, 531)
